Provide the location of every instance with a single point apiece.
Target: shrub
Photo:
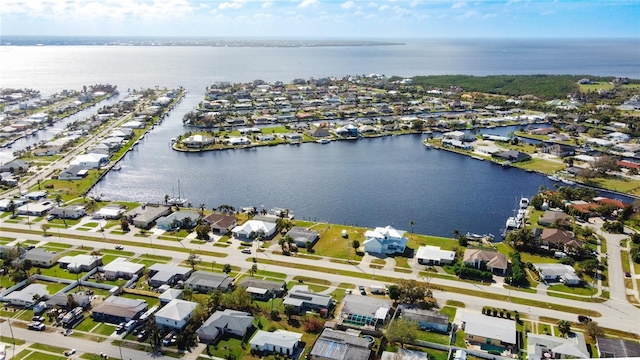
(313, 326)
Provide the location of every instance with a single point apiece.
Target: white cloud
(348, 5)
(414, 3)
(372, 4)
(235, 4)
(468, 15)
(307, 3)
(383, 7)
(458, 5)
(267, 4)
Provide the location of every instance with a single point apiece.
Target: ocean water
(373, 182)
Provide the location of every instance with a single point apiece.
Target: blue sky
(323, 18)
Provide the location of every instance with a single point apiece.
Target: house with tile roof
(493, 260)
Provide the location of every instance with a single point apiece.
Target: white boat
(177, 200)
(323, 141)
(116, 168)
(553, 177)
(427, 145)
(568, 182)
(512, 223)
(524, 203)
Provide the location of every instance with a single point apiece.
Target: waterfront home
(458, 135)
(115, 309)
(551, 217)
(364, 312)
(178, 219)
(110, 211)
(220, 223)
(512, 155)
(197, 141)
(427, 320)
(80, 262)
(543, 347)
(254, 227)
(304, 300)
(91, 160)
(120, 268)
(280, 341)
(24, 297)
(558, 273)
(47, 151)
(228, 322)
(456, 144)
(385, 240)
(319, 132)
(489, 332)
(340, 345)
(266, 137)
(144, 216)
(160, 274)
(433, 255)
(493, 260)
(205, 282)
(73, 172)
(617, 348)
(560, 239)
(262, 289)
(303, 237)
(175, 314)
(133, 124)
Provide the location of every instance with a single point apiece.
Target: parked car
(119, 247)
(142, 335)
(36, 326)
(37, 319)
(69, 352)
(120, 327)
(627, 274)
(246, 251)
(50, 217)
(363, 291)
(169, 339)
(583, 319)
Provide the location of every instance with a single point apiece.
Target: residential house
(168, 295)
(280, 341)
(197, 141)
(120, 268)
(35, 209)
(80, 262)
(205, 282)
(73, 172)
(144, 216)
(433, 255)
(220, 223)
(560, 239)
(427, 320)
(175, 314)
(229, 322)
(40, 257)
(319, 132)
(160, 274)
(61, 300)
(512, 155)
(385, 240)
(262, 289)
(559, 150)
(489, 332)
(303, 237)
(47, 151)
(558, 273)
(340, 345)
(110, 211)
(457, 144)
(617, 348)
(91, 160)
(68, 212)
(4, 203)
(254, 227)
(177, 219)
(544, 347)
(304, 300)
(24, 296)
(15, 166)
(133, 125)
(493, 260)
(404, 354)
(364, 312)
(115, 309)
(550, 217)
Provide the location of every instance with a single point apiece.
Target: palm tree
(166, 199)
(12, 207)
(456, 233)
(411, 223)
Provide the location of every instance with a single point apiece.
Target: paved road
(617, 313)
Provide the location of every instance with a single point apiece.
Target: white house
(25, 296)
(176, 218)
(280, 341)
(385, 240)
(120, 268)
(91, 160)
(175, 314)
(133, 124)
(254, 226)
(433, 255)
(197, 141)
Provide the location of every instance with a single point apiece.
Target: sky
(349, 19)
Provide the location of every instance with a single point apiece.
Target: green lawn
(416, 240)
(27, 354)
(49, 348)
(433, 337)
(332, 244)
(545, 166)
(526, 257)
(575, 290)
(449, 310)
